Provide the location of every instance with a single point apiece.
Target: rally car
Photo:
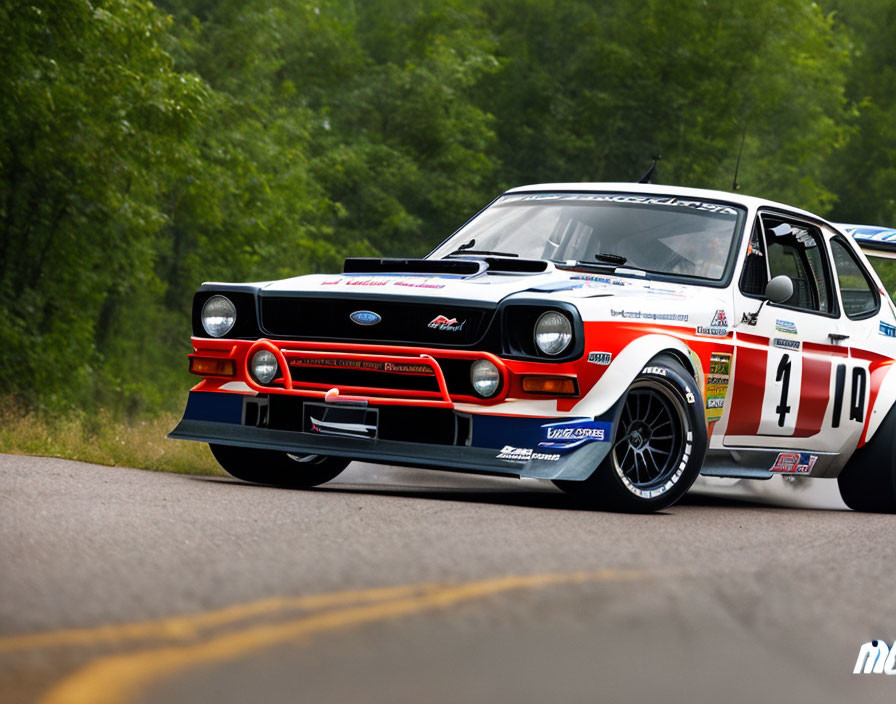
(616, 339)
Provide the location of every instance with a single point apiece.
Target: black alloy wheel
(650, 442)
(659, 442)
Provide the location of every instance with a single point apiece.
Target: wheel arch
(688, 361)
(628, 364)
(883, 404)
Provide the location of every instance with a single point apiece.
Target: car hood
(484, 288)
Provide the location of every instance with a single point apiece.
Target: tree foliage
(145, 148)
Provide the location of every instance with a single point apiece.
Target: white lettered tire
(659, 443)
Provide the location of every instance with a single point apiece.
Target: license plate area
(340, 421)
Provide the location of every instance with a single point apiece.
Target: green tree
(590, 92)
(863, 172)
(93, 118)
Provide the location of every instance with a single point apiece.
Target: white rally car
(616, 339)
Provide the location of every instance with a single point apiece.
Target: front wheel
(281, 469)
(658, 445)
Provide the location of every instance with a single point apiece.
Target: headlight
(553, 333)
(218, 316)
(264, 366)
(485, 377)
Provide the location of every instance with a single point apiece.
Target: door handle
(836, 338)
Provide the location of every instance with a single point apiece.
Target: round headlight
(218, 316)
(553, 333)
(264, 366)
(485, 377)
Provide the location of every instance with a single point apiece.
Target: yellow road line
(189, 626)
(120, 678)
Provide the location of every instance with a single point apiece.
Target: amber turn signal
(212, 366)
(554, 385)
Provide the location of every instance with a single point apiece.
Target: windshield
(657, 234)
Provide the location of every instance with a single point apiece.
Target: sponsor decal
(720, 363)
(365, 317)
(401, 368)
(362, 364)
(525, 454)
(445, 324)
(598, 279)
(794, 463)
(366, 282)
(424, 283)
(569, 434)
(603, 358)
(667, 201)
(717, 328)
(403, 283)
(717, 385)
(658, 371)
(876, 657)
(711, 332)
(887, 330)
(641, 315)
(515, 454)
(689, 396)
(786, 344)
(785, 327)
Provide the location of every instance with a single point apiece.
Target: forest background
(147, 147)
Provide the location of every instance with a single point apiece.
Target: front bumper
(520, 446)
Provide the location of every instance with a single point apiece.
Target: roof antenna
(735, 186)
(646, 178)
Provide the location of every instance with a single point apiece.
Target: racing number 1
(783, 374)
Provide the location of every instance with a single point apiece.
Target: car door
(872, 332)
(792, 375)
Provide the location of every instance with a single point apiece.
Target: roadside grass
(102, 439)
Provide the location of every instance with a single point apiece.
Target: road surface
(395, 585)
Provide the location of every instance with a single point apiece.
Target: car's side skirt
(765, 463)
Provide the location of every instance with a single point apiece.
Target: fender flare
(627, 365)
(886, 398)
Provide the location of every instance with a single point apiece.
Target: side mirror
(779, 289)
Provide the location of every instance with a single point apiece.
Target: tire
(868, 481)
(280, 469)
(658, 445)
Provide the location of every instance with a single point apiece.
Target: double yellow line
(121, 678)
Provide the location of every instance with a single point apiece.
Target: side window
(860, 298)
(796, 249)
(755, 273)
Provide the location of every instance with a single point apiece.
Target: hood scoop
(458, 266)
(371, 265)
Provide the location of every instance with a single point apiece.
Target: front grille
(402, 322)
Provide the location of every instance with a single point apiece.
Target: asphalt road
(394, 585)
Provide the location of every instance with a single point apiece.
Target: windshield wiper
(610, 258)
(461, 250)
(582, 264)
(467, 248)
